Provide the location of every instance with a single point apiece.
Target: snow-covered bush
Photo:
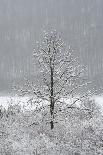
(78, 131)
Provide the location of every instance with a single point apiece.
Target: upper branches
(66, 70)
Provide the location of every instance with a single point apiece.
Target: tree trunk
(52, 100)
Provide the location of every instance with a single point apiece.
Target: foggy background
(22, 22)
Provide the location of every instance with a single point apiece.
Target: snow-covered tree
(60, 74)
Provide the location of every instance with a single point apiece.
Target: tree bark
(52, 100)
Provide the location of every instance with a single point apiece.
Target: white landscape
(6, 101)
(27, 132)
(57, 113)
(51, 77)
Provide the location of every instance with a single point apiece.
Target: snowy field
(5, 101)
(24, 102)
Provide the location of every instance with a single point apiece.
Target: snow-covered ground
(7, 100)
(99, 101)
(25, 103)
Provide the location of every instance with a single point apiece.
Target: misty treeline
(65, 119)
